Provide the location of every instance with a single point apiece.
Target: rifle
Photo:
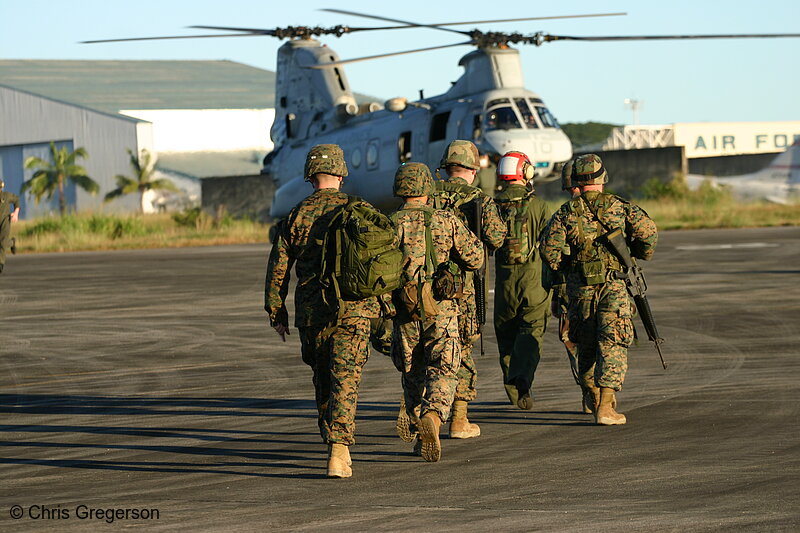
(636, 285)
(479, 279)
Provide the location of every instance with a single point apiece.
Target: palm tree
(50, 177)
(143, 170)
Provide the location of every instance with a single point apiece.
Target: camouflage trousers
(315, 350)
(349, 353)
(468, 331)
(601, 325)
(429, 353)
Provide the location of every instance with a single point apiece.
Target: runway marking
(744, 245)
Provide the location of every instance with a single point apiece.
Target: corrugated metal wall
(28, 123)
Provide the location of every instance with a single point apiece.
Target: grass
(672, 206)
(94, 231)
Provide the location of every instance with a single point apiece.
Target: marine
(521, 301)
(557, 283)
(455, 192)
(334, 341)
(426, 340)
(600, 310)
(7, 216)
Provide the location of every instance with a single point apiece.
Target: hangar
(200, 118)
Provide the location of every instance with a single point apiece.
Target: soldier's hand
(14, 216)
(282, 330)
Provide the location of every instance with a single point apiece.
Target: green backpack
(360, 255)
(517, 248)
(453, 196)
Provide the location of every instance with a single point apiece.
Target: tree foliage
(52, 176)
(587, 133)
(144, 168)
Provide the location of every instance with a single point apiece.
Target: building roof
(113, 85)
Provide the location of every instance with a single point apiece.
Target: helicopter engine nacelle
(396, 105)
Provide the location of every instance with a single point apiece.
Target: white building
(708, 139)
(200, 118)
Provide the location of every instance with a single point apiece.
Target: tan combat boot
(591, 399)
(406, 426)
(429, 426)
(338, 455)
(417, 447)
(606, 415)
(460, 426)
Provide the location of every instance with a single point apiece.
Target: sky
(673, 81)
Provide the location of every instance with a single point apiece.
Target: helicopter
(488, 105)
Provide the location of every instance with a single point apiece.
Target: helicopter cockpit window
(497, 101)
(404, 146)
(548, 120)
(527, 115)
(502, 118)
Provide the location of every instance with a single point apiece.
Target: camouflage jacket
(6, 199)
(572, 229)
(451, 240)
(299, 242)
(493, 228)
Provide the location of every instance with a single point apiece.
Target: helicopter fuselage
(487, 105)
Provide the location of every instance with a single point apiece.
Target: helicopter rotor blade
(387, 19)
(170, 37)
(346, 29)
(549, 38)
(367, 58)
(231, 28)
(495, 21)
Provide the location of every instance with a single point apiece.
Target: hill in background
(584, 134)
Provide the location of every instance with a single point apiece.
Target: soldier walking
(600, 310)
(456, 193)
(521, 302)
(426, 342)
(557, 283)
(334, 343)
(7, 216)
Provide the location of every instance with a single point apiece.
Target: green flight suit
(6, 199)
(521, 304)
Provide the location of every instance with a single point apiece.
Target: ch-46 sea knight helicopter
(487, 104)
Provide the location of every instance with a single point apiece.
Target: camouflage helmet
(462, 153)
(589, 170)
(325, 158)
(413, 179)
(566, 175)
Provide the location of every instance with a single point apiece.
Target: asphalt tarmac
(149, 381)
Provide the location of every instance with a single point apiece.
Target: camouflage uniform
(335, 350)
(600, 311)
(521, 302)
(428, 350)
(557, 283)
(493, 232)
(6, 199)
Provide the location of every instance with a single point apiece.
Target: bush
(42, 227)
(677, 189)
(200, 220)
